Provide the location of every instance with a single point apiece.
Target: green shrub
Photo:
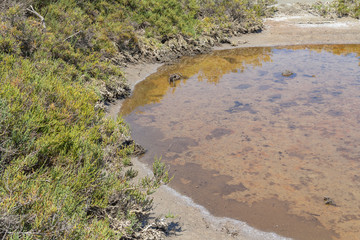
(63, 165)
(60, 159)
(339, 8)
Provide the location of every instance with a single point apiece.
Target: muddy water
(249, 143)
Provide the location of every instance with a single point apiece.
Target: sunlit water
(248, 143)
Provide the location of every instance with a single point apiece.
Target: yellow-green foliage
(347, 8)
(61, 160)
(340, 8)
(226, 12)
(53, 151)
(165, 17)
(78, 33)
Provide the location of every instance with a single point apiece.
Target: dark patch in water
(351, 158)
(291, 126)
(356, 178)
(336, 93)
(230, 60)
(181, 144)
(288, 104)
(342, 149)
(326, 133)
(247, 149)
(349, 217)
(308, 113)
(296, 154)
(316, 98)
(282, 81)
(208, 188)
(218, 133)
(306, 181)
(174, 157)
(173, 123)
(264, 87)
(210, 182)
(310, 76)
(262, 73)
(274, 97)
(335, 113)
(240, 107)
(340, 87)
(275, 111)
(243, 86)
(150, 118)
(296, 186)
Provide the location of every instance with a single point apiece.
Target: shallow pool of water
(249, 143)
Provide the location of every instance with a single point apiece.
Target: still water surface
(248, 143)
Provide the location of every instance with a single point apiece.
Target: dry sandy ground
(291, 26)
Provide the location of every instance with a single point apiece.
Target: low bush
(63, 164)
(339, 8)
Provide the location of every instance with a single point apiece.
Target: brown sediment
(267, 215)
(281, 145)
(279, 31)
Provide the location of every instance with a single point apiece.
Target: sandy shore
(291, 26)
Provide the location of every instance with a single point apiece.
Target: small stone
(234, 44)
(287, 73)
(329, 201)
(174, 77)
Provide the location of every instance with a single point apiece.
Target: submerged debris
(138, 150)
(287, 73)
(241, 107)
(329, 201)
(174, 77)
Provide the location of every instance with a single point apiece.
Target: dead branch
(7, 150)
(42, 19)
(73, 35)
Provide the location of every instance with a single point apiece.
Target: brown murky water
(248, 143)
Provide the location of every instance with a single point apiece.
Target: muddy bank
(134, 73)
(293, 25)
(189, 220)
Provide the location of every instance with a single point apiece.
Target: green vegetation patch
(63, 164)
(339, 8)
(61, 160)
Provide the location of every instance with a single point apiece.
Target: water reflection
(249, 143)
(211, 68)
(205, 68)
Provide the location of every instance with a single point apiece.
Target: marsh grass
(339, 8)
(64, 166)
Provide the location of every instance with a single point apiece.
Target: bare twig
(147, 227)
(67, 38)
(73, 35)
(26, 233)
(3, 238)
(32, 10)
